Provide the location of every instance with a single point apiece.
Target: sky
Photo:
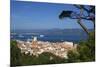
(37, 15)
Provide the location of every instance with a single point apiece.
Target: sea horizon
(52, 35)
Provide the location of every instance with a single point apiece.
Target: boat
(41, 35)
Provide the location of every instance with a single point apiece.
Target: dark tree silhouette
(90, 10)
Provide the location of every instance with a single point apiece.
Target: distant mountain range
(53, 31)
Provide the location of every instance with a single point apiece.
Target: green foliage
(15, 54)
(85, 51)
(73, 56)
(19, 59)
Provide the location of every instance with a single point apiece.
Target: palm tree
(73, 15)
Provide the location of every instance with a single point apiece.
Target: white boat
(41, 35)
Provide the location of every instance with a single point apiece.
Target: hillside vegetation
(85, 52)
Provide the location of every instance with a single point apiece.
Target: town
(38, 47)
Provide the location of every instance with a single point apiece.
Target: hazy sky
(35, 15)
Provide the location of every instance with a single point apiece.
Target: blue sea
(51, 38)
(52, 35)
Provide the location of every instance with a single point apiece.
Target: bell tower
(34, 42)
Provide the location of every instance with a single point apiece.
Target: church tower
(34, 42)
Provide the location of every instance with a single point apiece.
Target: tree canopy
(88, 15)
